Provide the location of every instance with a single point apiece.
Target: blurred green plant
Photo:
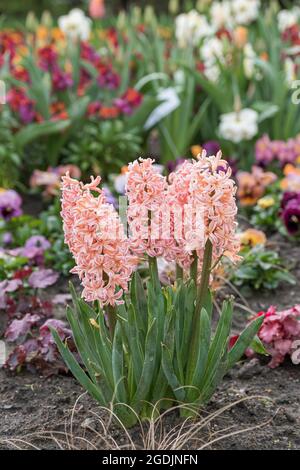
(10, 158)
(103, 146)
(261, 269)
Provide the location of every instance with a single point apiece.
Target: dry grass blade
(158, 433)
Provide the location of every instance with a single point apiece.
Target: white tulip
(245, 11)
(221, 15)
(190, 28)
(239, 126)
(75, 25)
(288, 18)
(249, 60)
(290, 71)
(212, 52)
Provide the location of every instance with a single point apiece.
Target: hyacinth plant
(142, 344)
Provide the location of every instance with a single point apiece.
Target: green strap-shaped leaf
(258, 347)
(216, 378)
(135, 343)
(149, 366)
(179, 312)
(139, 300)
(95, 341)
(34, 131)
(218, 345)
(118, 366)
(203, 348)
(243, 342)
(190, 300)
(168, 348)
(172, 379)
(89, 358)
(77, 371)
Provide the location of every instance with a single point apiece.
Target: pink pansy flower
(279, 331)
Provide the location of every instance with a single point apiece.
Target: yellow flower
(94, 323)
(195, 150)
(266, 202)
(164, 32)
(252, 237)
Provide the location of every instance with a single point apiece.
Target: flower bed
(155, 158)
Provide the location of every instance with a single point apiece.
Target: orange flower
(252, 186)
(264, 56)
(109, 112)
(195, 150)
(240, 36)
(57, 34)
(42, 33)
(291, 182)
(57, 107)
(252, 237)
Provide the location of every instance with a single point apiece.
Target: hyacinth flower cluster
(144, 345)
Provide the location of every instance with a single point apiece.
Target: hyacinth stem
(153, 269)
(111, 320)
(179, 272)
(204, 283)
(201, 295)
(194, 267)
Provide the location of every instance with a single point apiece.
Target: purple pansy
(10, 204)
(34, 249)
(47, 343)
(291, 212)
(20, 328)
(42, 278)
(212, 147)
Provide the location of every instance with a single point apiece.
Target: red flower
(224, 33)
(93, 108)
(22, 273)
(109, 112)
(232, 341)
(47, 58)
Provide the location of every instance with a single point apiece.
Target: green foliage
(51, 227)
(49, 224)
(146, 359)
(103, 146)
(261, 269)
(10, 158)
(267, 218)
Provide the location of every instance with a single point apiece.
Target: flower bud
(46, 19)
(240, 36)
(31, 22)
